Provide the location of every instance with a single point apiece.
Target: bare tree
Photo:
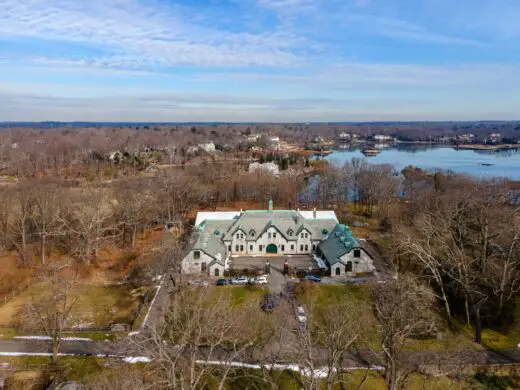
(90, 222)
(22, 207)
(403, 307)
(48, 215)
(202, 327)
(337, 327)
(51, 312)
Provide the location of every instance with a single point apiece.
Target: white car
(239, 280)
(259, 280)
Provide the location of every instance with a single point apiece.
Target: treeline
(462, 238)
(79, 219)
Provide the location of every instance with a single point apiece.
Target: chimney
(314, 213)
(270, 205)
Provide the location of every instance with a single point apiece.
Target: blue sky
(259, 60)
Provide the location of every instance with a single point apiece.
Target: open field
(448, 340)
(96, 305)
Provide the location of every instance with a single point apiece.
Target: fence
(13, 294)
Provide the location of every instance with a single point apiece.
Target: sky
(259, 60)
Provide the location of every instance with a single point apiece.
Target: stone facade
(221, 236)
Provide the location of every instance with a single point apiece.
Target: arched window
(348, 267)
(338, 271)
(217, 272)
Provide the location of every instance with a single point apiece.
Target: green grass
(241, 294)
(99, 305)
(461, 338)
(360, 297)
(10, 333)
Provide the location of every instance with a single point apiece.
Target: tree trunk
(42, 248)
(466, 306)
(134, 234)
(478, 328)
(55, 350)
(446, 303)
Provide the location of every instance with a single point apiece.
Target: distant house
(345, 136)
(383, 137)
(253, 138)
(207, 147)
(494, 138)
(219, 236)
(275, 142)
(268, 167)
(468, 137)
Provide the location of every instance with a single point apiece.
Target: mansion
(220, 236)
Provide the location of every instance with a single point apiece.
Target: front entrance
(271, 248)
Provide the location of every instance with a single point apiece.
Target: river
(476, 163)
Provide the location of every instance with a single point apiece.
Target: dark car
(313, 278)
(269, 303)
(222, 282)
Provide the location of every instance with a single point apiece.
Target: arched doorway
(348, 267)
(338, 271)
(271, 248)
(217, 272)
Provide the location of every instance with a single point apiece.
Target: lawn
(96, 305)
(360, 296)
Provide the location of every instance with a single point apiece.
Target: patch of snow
(137, 359)
(49, 338)
(133, 333)
(320, 372)
(319, 261)
(84, 325)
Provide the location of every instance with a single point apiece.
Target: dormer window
(252, 233)
(290, 233)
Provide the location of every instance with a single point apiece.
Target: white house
(219, 236)
(268, 167)
(208, 147)
(383, 137)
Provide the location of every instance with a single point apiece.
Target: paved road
(127, 348)
(277, 280)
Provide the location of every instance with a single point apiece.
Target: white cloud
(134, 34)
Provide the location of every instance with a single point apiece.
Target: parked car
(313, 278)
(200, 283)
(222, 282)
(259, 280)
(268, 303)
(240, 280)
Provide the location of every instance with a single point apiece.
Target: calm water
(503, 164)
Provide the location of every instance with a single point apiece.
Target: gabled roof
(283, 221)
(208, 238)
(338, 242)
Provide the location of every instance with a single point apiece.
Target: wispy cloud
(269, 59)
(141, 34)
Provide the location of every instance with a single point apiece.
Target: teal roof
(338, 243)
(208, 239)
